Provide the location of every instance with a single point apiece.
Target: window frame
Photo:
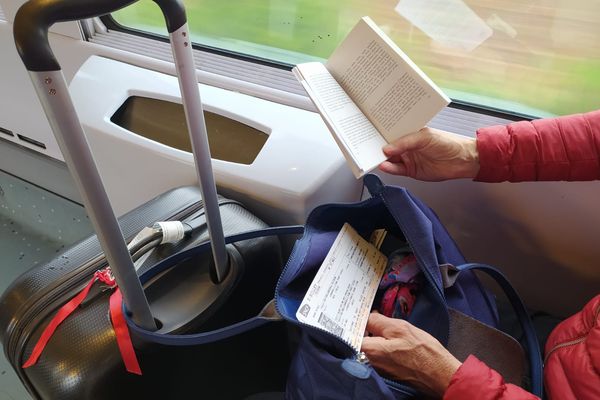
(111, 24)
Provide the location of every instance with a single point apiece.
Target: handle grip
(35, 17)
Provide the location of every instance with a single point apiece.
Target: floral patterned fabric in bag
(399, 286)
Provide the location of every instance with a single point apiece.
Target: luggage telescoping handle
(181, 46)
(31, 26)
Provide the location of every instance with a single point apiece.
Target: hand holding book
(369, 94)
(432, 155)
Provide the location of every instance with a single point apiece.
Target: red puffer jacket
(552, 149)
(572, 356)
(566, 148)
(571, 367)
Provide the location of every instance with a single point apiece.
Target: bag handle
(533, 348)
(266, 315)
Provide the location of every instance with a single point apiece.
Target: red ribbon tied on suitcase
(116, 316)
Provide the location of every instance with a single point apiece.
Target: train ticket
(340, 296)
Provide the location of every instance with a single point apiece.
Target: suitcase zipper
(69, 283)
(573, 341)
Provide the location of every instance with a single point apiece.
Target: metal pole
(53, 93)
(184, 62)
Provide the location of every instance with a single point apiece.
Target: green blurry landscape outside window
(535, 57)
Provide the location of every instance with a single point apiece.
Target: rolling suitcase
(204, 293)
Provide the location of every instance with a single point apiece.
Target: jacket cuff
(493, 147)
(467, 375)
(475, 380)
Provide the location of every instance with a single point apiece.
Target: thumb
(406, 143)
(393, 168)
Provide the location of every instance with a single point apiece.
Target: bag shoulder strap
(533, 348)
(266, 315)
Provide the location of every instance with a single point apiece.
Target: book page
(357, 137)
(340, 296)
(396, 96)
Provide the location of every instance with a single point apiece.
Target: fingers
(393, 168)
(377, 351)
(377, 323)
(406, 143)
(387, 328)
(373, 345)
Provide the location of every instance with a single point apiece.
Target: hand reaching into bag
(432, 155)
(406, 353)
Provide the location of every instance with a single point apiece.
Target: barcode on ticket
(330, 325)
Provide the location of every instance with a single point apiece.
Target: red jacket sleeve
(553, 149)
(475, 380)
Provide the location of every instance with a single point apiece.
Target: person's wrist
(444, 373)
(470, 158)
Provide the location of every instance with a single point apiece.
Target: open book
(369, 94)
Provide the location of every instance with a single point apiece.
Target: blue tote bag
(324, 367)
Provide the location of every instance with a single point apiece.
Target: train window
(529, 57)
